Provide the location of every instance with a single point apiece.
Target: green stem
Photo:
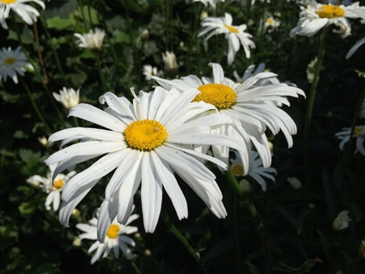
(254, 215)
(81, 4)
(101, 72)
(182, 239)
(135, 267)
(308, 115)
(35, 106)
(54, 51)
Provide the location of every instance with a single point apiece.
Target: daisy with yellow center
(149, 71)
(251, 107)
(53, 189)
(235, 35)
(358, 134)
(12, 64)
(115, 238)
(68, 97)
(145, 142)
(271, 24)
(316, 16)
(25, 11)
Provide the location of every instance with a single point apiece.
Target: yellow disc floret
(113, 231)
(359, 131)
(145, 135)
(231, 29)
(329, 11)
(270, 21)
(9, 61)
(8, 1)
(58, 183)
(221, 96)
(237, 170)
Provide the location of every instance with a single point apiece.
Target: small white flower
(12, 63)
(92, 39)
(251, 71)
(342, 220)
(235, 35)
(149, 71)
(271, 24)
(169, 59)
(26, 12)
(255, 169)
(43, 141)
(359, 134)
(68, 97)
(115, 238)
(316, 16)
(294, 182)
(52, 187)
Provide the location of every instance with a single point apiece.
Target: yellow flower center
(237, 170)
(8, 1)
(329, 11)
(145, 135)
(231, 29)
(9, 61)
(221, 96)
(270, 21)
(58, 184)
(358, 131)
(113, 231)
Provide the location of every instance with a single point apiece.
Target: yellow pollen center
(145, 135)
(9, 61)
(231, 29)
(58, 184)
(329, 11)
(113, 231)
(237, 170)
(358, 131)
(270, 21)
(8, 1)
(221, 96)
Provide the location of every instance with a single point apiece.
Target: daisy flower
(316, 16)
(251, 107)
(271, 24)
(255, 169)
(169, 59)
(26, 12)
(12, 63)
(115, 238)
(149, 71)
(146, 142)
(92, 39)
(68, 97)
(251, 71)
(53, 185)
(359, 134)
(236, 35)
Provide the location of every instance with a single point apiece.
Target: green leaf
(27, 208)
(58, 23)
(27, 155)
(304, 268)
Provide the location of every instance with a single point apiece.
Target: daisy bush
(182, 136)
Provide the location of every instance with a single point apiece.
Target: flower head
(26, 12)
(68, 97)
(169, 59)
(92, 39)
(271, 24)
(235, 35)
(251, 107)
(342, 220)
(51, 185)
(115, 238)
(149, 71)
(146, 142)
(359, 134)
(316, 16)
(12, 63)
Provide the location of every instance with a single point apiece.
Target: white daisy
(252, 108)
(212, 3)
(145, 142)
(236, 35)
(359, 134)
(251, 71)
(26, 12)
(355, 48)
(92, 39)
(255, 170)
(149, 71)
(169, 59)
(316, 16)
(51, 185)
(68, 97)
(115, 238)
(271, 24)
(12, 63)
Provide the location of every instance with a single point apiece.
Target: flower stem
(101, 72)
(308, 114)
(182, 239)
(254, 215)
(35, 106)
